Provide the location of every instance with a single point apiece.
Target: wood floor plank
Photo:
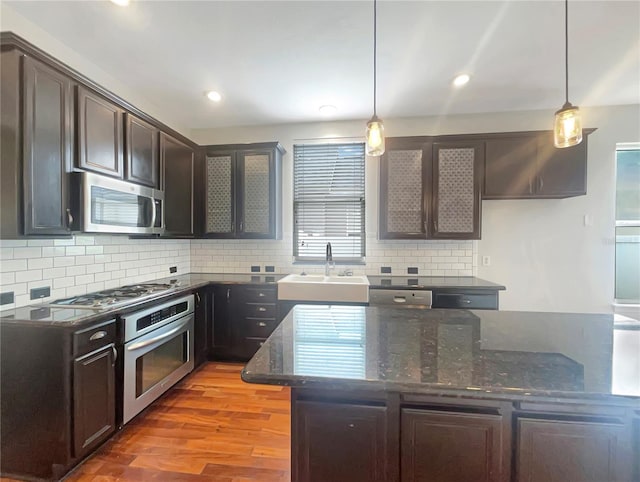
(212, 426)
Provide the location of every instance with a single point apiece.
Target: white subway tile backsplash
(75, 251)
(30, 275)
(32, 252)
(38, 263)
(90, 263)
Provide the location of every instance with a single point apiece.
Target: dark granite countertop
(503, 354)
(431, 282)
(74, 318)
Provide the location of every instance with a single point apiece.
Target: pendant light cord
(375, 22)
(566, 51)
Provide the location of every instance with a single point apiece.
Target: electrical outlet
(486, 261)
(173, 269)
(37, 293)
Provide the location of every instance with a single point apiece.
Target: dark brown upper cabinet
(141, 154)
(100, 134)
(37, 141)
(177, 161)
(526, 165)
(242, 193)
(430, 189)
(405, 174)
(456, 189)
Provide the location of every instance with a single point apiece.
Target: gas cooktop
(115, 296)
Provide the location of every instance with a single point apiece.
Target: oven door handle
(173, 331)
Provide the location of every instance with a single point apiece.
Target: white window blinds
(328, 201)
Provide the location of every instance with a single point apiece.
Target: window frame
(297, 258)
(632, 146)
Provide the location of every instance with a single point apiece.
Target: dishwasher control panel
(414, 298)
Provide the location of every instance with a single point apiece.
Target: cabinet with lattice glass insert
(430, 189)
(242, 192)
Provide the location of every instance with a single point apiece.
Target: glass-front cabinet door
(255, 193)
(219, 195)
(241, 193)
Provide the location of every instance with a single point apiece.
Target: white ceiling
(278, 61)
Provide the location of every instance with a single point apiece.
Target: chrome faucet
(329, 261)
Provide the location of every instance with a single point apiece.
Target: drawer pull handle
(261, 343)
(262, 324)
(261, 295)
(466, 301)
(399, 299)
(351, 425)
(262, 308)
(97, 335)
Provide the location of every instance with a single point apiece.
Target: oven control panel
(161, 315)
(140, 322)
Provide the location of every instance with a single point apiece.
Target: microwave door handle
(153, 212)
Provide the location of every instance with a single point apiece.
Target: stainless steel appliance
(112, 206)
(411, 298)
(113, 298)
(158, 352)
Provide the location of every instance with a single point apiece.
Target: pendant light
(375, 128)
(567, 130)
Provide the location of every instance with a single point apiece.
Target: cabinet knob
(261, 295)
(261, 343)
(262, 324)
(466, 301)
(262, 309)
(351, 425)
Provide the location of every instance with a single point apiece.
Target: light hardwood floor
(211, 426)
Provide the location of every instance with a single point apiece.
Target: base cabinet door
(451, 447)
(94, 397)
(561, 451)
(338, 443)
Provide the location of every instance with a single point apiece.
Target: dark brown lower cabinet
(94, 399)
(576, 451)
(451, 447)
(339, 442)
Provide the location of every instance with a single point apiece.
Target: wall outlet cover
(255, 269)
(173, 269)
(270, 269)
(412, 270)
(385, 269)
(6, 298)
(37, 293)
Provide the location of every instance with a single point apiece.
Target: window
(328, 201)
(627, 288)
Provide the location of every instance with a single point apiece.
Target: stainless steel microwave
(112, 206)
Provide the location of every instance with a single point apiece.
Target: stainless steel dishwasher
(409, 298)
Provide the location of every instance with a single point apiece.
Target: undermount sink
(312, 287)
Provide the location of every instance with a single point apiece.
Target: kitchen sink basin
(345, 289)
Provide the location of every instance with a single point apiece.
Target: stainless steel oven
(112, 206)
(158, 352)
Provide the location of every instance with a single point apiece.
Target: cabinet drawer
(470, 301)
(260, 310)
(260, 294)
(94, 337)
(249, 346)
(258, 327)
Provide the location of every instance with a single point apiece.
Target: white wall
(540, 249)
(12, 21)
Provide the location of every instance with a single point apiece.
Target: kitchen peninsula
(390, 394)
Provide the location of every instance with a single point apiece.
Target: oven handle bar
(142, 344)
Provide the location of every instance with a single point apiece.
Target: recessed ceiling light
(121, 3)
(461, 80)
(214, 96)
(328, 109)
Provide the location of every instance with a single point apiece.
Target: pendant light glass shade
(567, 130)
(375, 129)
(375, 137)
